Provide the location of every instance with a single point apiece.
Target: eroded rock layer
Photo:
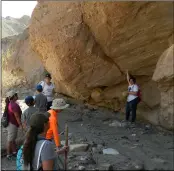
(21, 60)
(88, 46)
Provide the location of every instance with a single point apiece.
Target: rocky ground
(99, 140)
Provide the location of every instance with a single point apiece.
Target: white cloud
(17, 9)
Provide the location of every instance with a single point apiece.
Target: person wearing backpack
(48, 90)
(26, 115)
(133, 98)
(38, 153)
(14, 123)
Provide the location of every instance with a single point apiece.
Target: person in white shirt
(48, 90)
(132, 99)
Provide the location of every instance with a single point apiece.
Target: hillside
(13, 26)
(17, 59)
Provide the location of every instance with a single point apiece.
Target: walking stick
(66, 144)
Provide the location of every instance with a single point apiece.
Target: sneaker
(13, 158)
(9, 157)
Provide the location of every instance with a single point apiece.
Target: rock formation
(21, 60)
(14, 26)
(88, 46)
(164, 76)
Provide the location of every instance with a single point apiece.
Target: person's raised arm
(128, 77)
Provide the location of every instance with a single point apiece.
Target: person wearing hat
(40, 99)
(14, 122)
(57, 106)
(29, 100)
(37, 148)
(48, 89)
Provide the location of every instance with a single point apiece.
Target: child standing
(29, 100)
(57, 106)
(40, 100)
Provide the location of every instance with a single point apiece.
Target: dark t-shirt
(13, 107)
(41, 102)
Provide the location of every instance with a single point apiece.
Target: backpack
(4, 119)
(20, 161)
(139, 94)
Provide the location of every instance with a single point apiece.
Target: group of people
(39, 124)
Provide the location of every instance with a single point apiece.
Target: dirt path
(139, 147)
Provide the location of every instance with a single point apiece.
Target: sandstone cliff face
(88, 46)
(164, 76)
(21, 60)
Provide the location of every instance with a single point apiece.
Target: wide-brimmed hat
(59, 104)
(11, 93)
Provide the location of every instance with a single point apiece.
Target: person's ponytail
(29, 146)
(32, 137)
(7, 101)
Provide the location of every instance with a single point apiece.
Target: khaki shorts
(12, 132)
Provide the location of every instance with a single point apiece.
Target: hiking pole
(66, 144)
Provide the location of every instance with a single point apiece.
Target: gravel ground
(138, 147)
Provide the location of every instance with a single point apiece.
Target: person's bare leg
(14, 148)
(9, 148)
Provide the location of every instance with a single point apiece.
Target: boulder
(76, 61)
(132, 34)
(110, 151)
(78, 147)
(164, 72)
(21, 60)
(81, 168)
(115, 124)
(164, 75)
(88, 46)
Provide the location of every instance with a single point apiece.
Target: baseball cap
(39, 87)
(48, 75)
(29, 99)
(38, 120)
